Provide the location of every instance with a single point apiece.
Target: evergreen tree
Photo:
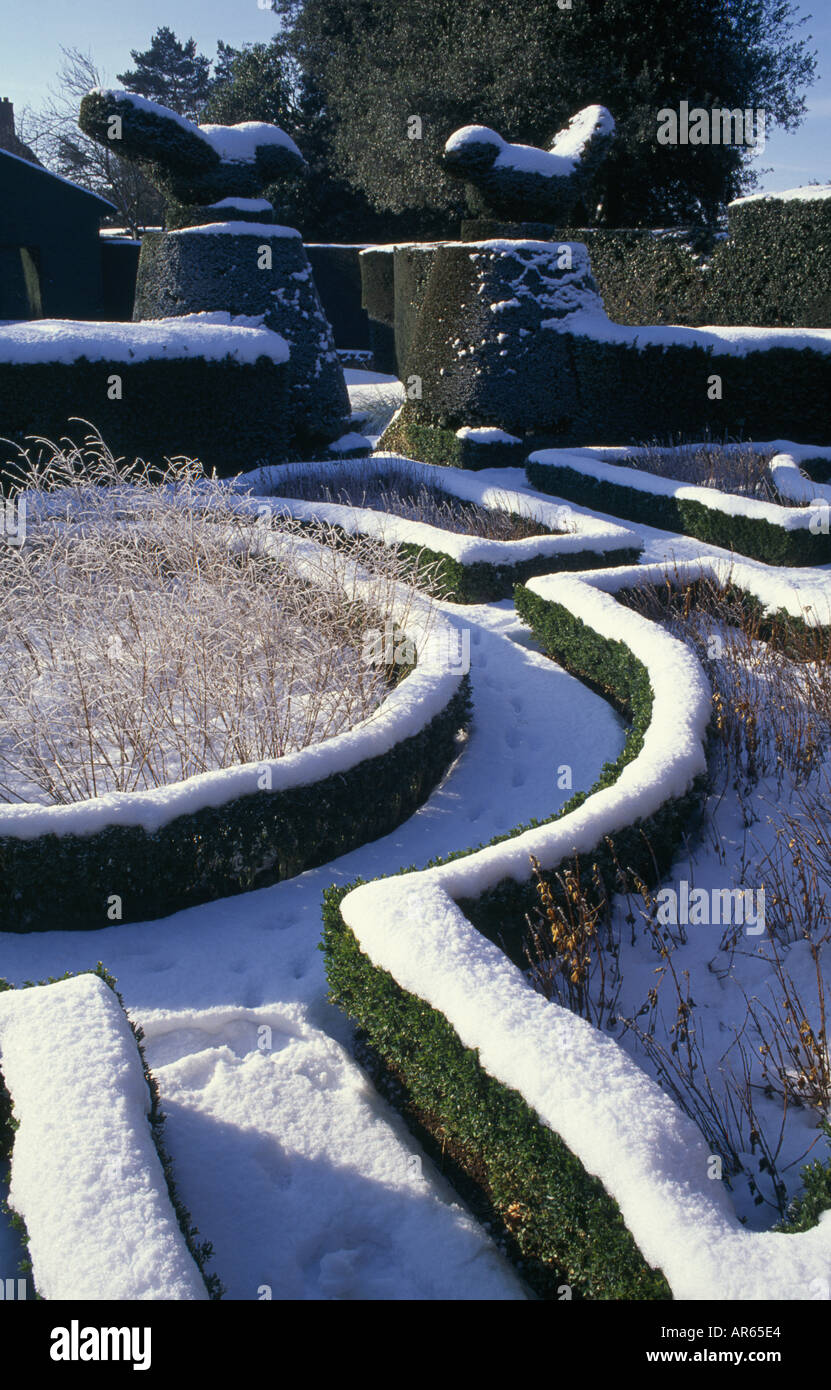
(171, 73)
(525, 66)
(262, 82)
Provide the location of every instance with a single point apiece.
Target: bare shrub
(408, 495)
(741, 468)
(152, 628)
(571, 951)
(771, 679)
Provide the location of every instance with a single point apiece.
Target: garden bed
(126, 855)
(597, 1168)
(469, 569)
(605, 478)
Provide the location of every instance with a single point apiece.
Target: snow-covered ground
(306, 1182)
(291, 1164)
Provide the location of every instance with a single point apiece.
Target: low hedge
(482, 582)
(417, 439)
(628, 394)
(65, 881)
(201, 1252)
(215, 411)
(562, 1219)
(756, 537)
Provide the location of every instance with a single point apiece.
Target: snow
(573, 138)
(624, 1129)
(85, 1174)
(348, 442)
(238, 144)
(483, 434)
(259, 229)
(808, 193)
(244, 204)
(289, 1161)
(736, 342)
(213, 336)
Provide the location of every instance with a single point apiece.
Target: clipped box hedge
(66, 881)
(569, 1226)
(337, 273)
(471, 569)
(216, 407)
(773, 534)
(103, 1023)
(499, 1092)
(378, 299)
(774, 268)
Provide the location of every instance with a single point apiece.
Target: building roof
(38, 170)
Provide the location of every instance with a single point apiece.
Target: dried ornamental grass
(147, 633)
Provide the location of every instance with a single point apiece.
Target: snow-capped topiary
(522, 182)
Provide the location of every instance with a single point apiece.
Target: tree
(171, 73)
(53, 133)
(263, 82)
(525, 66)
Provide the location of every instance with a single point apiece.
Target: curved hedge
(568, 1225)
(765, 539)
(66, 881)
(457, 1073)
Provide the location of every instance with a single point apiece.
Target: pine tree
(171, 73)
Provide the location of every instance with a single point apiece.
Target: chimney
(6, 121)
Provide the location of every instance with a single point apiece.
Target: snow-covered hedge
(260, 272)
(777, 535)
(205, 385)
(89, 1175)
(597, 1172)
(139, 855)
(775, 265)
(513, 334)
(474, 569)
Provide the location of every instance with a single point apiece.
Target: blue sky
(31, 35)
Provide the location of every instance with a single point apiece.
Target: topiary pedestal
(259, 270)
(489, 350)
